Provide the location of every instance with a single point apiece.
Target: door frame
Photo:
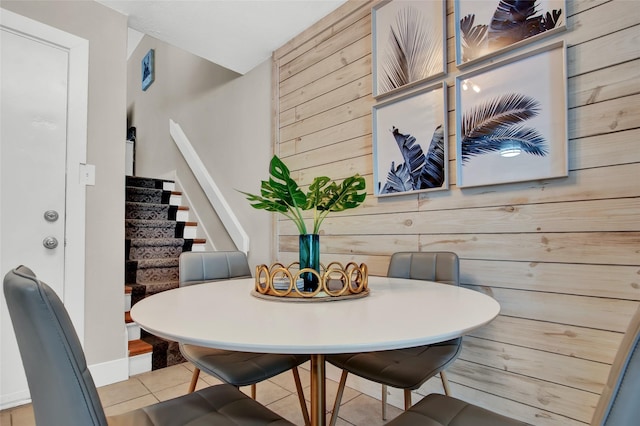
(78, 83)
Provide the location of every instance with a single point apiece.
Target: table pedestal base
(318, 396)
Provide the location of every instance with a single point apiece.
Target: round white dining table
(397, 313)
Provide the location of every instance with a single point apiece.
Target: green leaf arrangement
(282, 194)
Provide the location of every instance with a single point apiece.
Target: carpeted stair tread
(157, 242)
(155, 263)
(152, 275)
(139, 223)
(144, 271)
(159, 286)
(147, 195)
(136, 228)
(145, 182)
(145, 211)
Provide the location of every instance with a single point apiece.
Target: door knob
(50, 243)
(51, 215)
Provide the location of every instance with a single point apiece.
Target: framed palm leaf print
(410, 150)
(409, 44)
(511, 119)
(486, 28)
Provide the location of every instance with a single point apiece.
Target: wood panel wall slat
(341, 114)
(510, 408)
(572, 341)
(358, 29)
(606, 215)
(570, 402)
(592, 312)
(560, 255)
(317, 32)
(607, 248)
(610, 281)
(342, 95)
(356, 69)
(560, 369)
(349, 54)
(344, 131)
(601, 85)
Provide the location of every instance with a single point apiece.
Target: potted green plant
(282, 194)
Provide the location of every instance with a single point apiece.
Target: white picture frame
(511, 119)
(480, 35)
(410, 143)
(409, 44)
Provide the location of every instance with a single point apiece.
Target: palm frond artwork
(512, 21)
(473, 38)
(413, 51)
(497, 124)
(417, 171)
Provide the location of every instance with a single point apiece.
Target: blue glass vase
(309, 252)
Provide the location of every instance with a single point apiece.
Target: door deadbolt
(51, 215)
(50, 243)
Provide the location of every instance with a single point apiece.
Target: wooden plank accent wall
(561, 255)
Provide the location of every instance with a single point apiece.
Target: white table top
(398, 313)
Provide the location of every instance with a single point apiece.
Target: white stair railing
(211, 190)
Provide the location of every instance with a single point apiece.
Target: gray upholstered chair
(618, 404)
(236, 368)
(62, 390)
(406, 368)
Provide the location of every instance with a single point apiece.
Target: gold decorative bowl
(335, 282)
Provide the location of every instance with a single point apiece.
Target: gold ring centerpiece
(335, 282)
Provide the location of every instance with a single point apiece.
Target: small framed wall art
(486, 28)
(410, 150)
(511, 119)
(148, 72)
(409, 44)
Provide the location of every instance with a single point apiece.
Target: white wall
(227, 118)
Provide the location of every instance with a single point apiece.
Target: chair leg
(384, 402)
(253, 391)
(445, 383)
(303, 403)
(336, 404)
(194, 380)
(407, 399)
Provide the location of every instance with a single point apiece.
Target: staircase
(157, 231)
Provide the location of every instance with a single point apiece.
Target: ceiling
(236, 34)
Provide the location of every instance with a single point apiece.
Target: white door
(34, 134)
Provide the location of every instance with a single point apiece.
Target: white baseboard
(103, 374)
(110, 372)
(15, 399)
(140, 364)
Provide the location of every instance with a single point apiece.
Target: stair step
(175, 199)
(140, 357)
(139, 347)
(133, 329)
(182, 214)
(127, 297)
(144, 182)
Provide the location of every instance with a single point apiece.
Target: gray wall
(227, 118)
(106, 31)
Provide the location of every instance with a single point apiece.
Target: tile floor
(279, 394)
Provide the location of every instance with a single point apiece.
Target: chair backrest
(62, 389)
(197, 267)
(619, 404)
(439, 266)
